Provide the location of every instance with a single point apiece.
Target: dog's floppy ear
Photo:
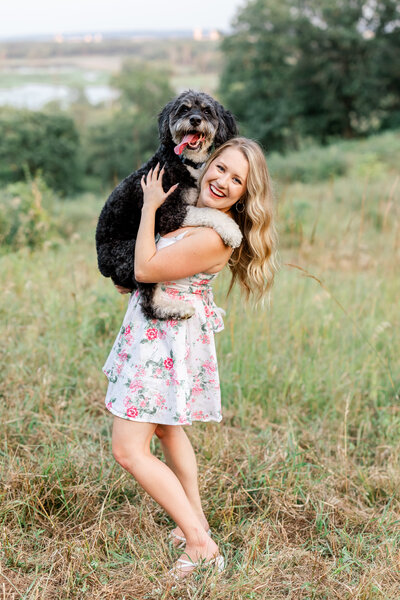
(227, 127)
(163, 123)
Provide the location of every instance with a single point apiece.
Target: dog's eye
(207, 111)
(183, 109)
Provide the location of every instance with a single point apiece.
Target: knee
(166, 432)
(126, 456)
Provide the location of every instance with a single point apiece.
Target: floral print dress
(165, 371)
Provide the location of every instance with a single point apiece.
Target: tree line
(110, 145)
(313, 68)
(293, 70)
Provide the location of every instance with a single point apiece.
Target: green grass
(363, 159)
(300, 481)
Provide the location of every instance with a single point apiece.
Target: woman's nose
(222, 179)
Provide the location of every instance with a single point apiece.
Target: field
(301, 479)
(78, 67)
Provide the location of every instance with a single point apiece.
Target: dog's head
(193, 122)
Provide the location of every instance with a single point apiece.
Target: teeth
(214, 191)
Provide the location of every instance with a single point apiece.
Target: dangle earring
(240, 207)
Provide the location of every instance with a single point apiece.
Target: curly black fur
(120, 217)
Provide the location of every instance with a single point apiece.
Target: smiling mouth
(215, 192)
(193, 141)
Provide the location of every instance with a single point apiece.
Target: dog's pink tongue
(188, 139)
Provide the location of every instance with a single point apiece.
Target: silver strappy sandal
(181, 563)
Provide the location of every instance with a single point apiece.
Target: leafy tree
(143, 86)
(36, 141)
(256, 81)
(119, 144)
(313, 67)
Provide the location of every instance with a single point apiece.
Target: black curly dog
(190, 126)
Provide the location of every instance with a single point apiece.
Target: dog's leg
(156, 304)
(169, 308)
(226, 227)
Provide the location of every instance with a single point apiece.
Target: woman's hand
(153, 193)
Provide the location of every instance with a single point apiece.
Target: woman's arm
(198, 252)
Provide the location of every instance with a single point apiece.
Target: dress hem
(118, 414)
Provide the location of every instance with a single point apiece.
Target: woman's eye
(220, 167)
(236, 180)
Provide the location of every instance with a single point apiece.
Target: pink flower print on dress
(151, 334)
(182, 419)
(132, 412)
(123, 355)
(198, 415)
(127, 330)
(209, 366)
(135, 385)
(143, 403)
(119, 368)
(172, 322)
(109, 405)
(205, 339)
(197, 389)
(203, 281)
(158, 372)
(207, 310)
(168, 363)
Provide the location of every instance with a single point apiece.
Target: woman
(163, 374)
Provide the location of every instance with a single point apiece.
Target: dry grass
(301, 479)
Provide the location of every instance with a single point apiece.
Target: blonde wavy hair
(253, 264)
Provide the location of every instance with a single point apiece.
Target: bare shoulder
(209, 236)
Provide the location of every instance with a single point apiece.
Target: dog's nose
(195, 120)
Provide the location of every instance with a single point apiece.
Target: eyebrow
(235, 174)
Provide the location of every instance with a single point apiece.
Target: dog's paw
(167, 308)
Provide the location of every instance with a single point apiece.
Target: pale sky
(25, 17)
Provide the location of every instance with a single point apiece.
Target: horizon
(69, 35)
(24, 19)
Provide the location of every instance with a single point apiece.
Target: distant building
(200, 36)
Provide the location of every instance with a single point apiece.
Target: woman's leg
(131, 449)
(180, 457)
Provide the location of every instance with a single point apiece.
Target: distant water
(35, 95)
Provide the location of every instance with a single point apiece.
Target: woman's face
(225, 180)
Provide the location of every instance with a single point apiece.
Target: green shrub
(309, 165)
(26, 215)
(40, 142)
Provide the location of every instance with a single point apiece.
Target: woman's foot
(204, 553)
